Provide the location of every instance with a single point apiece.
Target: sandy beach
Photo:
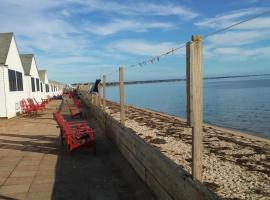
(235, 165)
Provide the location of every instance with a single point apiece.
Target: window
(47, 88)
(12, 80)
(33, 84)
(19, 81)
(37, 83)
(15, 80)
(41, 87)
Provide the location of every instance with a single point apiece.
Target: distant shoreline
(172, 80)
(180, 79)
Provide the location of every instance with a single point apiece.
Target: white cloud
(144, 48)
(227, 19)
(239, 42)
(35, 25)
(131, 8)
(249, 32)
(116, 26)
(54, 31)
(236, 38)
(237, 53)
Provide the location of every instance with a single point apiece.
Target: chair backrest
(23, 104)
(62, 123)
(35, 100)
(60, 120)
(77, 102)
(30, 101)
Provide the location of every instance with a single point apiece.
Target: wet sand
(235, 165)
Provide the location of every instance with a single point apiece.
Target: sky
(81, 40)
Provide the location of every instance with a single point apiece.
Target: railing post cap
(196, 38)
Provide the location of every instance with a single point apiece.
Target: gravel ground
(235, 165)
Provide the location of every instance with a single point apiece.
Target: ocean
(236, 103)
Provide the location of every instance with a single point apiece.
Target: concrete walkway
(33, 165)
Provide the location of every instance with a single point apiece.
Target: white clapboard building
(32, 76)
(11, 76)
(57, 88)
(45, 83)
(20, 78)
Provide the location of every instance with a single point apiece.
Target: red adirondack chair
(74, 111)
(46, 101)
(72, 94)
(36, 106)
(77, 103)
(77, 134)
(26, 108)
(42, 104)
(83, 124)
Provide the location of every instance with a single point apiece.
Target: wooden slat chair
(74, 112)
(76, 134)
(26, 108)
(72, 94)
(42, 104)
(46, 101)
(77, 103)
(78, 124)
(33, 105)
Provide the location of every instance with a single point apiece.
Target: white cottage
(45, 83)
(11, 76)
(52, 88)
(31, 76)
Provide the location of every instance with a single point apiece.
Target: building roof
(5, 41)
(27, 62)
(42, 73)
(56, 83)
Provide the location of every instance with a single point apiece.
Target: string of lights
(154, 59)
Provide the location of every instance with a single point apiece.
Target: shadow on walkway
(34, 165)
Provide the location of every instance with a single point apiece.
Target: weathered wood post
(96, 100)
(195, 102)
(98, 97)
(91, 98)
(122, 97)
(104, 92)
(189, 64)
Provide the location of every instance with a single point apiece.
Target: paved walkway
(34, 166)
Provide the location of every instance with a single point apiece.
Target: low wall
(164, 178)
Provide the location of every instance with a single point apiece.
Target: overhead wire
(157, 58)
(236, 24)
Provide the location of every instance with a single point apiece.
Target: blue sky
(77, 40)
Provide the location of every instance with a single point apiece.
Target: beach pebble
(237, 164)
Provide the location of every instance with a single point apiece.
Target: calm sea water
(236, 103)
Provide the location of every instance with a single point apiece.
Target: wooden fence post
(98, 102)
(91, 98)
(104, 92)
(122, 97)
(195, 79)
(189, 82)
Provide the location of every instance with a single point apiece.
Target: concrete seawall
(165, 179)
